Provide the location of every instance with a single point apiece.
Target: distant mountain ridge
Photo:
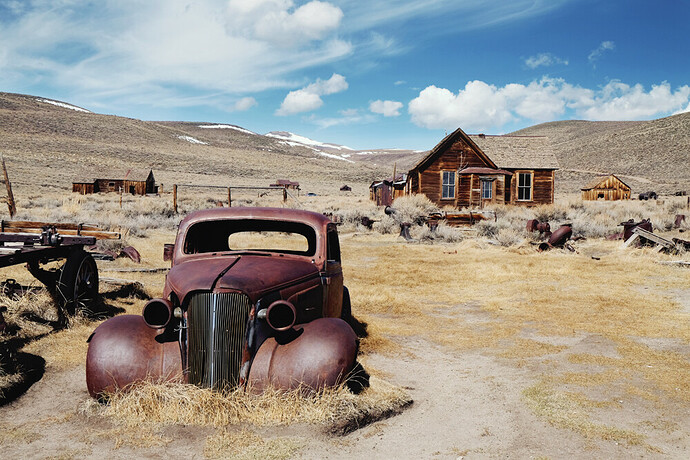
(645, 154)
(50, 143)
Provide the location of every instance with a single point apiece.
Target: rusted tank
(561, 235)
(630, 225)
(238, 307)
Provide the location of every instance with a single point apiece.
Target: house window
(487, 189)
(524, 190)
(448, 185)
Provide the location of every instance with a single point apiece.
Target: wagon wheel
(78, 284)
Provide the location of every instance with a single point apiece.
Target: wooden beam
(654, 238)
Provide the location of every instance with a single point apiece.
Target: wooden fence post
(10, 197)
(175, 197)
(229, 197)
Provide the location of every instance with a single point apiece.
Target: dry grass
(336, 409)
(247, 445)
(531, 308)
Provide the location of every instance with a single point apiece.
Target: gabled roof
(447, 142)
(598, 180)
(517, 152)
(509, 152)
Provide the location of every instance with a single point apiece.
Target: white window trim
(531, 186)
(490, 183)
(453, 185)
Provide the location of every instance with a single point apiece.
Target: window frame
(487, 183)
(451, 186)
(529, 187)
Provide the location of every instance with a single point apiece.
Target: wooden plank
(24, 224)
(652, 237)
(631, 240)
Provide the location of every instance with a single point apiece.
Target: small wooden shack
(135, 182)
(383, 192)
(470, 171)
(607, 188)
(286, 183)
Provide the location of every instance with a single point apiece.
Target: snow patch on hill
(317, 151)
(64, 106)
(236, 128)
(192, 140)
(291, 137)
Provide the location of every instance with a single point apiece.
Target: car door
(332, 278)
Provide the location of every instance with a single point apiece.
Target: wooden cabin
(135, 182)
(285, 183)
(471, 171)
(607, 188)
(384, 192)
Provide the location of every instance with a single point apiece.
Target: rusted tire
(78, 284)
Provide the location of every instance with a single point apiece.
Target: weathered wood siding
(83, 188)
(542, 187)
(458, 156)
(609, 189)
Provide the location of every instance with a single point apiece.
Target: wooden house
(606, 188)
(135, 182)
(471, 171)
(384, 192)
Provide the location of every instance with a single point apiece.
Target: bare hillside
(648, 155)
(51, 145)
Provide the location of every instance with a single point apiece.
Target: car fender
(312, 355)
(124, 350)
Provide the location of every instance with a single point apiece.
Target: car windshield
(251, 235)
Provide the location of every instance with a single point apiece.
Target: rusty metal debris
(648, 196)
(630, 225)
(559, 239)
(534, 225)
(237, 315)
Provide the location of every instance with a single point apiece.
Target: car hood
(255, 275)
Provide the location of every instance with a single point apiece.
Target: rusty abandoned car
(254, 297)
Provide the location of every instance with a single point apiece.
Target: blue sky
(395, 74)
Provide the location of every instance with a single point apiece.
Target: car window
(333, 244)
(250, 234)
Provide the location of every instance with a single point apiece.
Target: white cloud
(600, 50)
(309, 97)
(279, 22)
(245, 103)
(544, 60)
(123, 52)
(618, 101)
(386, 108)
(481, 107)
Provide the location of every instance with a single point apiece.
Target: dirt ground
(494, 400)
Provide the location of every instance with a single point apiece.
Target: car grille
(216, 332)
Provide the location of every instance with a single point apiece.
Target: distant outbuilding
(608, 188)
(383, 192)
(136, 182)
(286, 183)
